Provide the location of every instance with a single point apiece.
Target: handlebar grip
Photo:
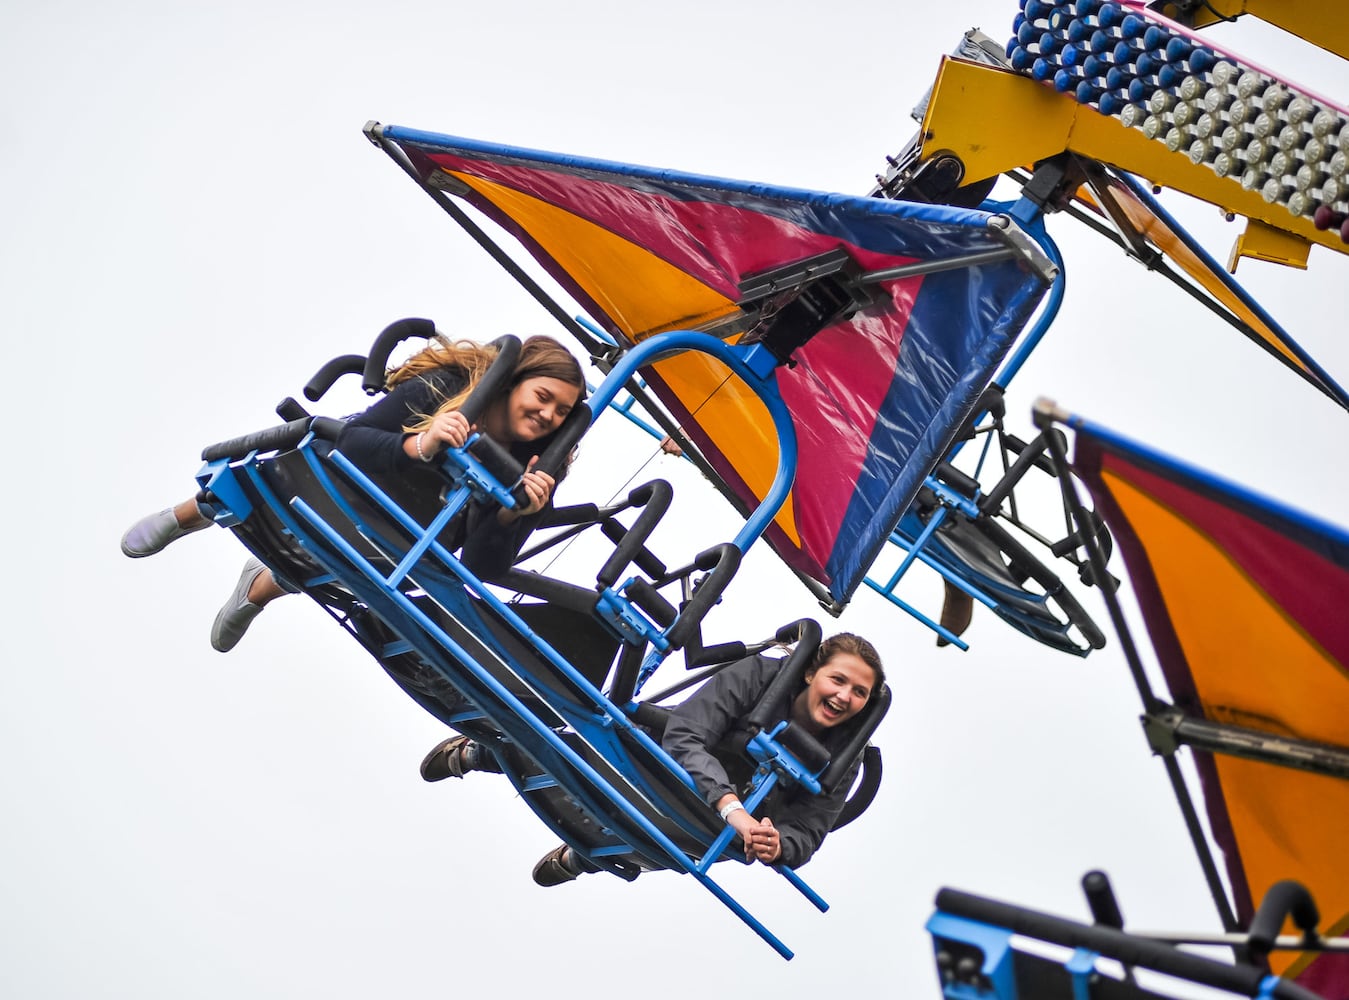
(347, 364)
(722, 652)
(806, 634)
(554, 457)
(724, 561)
(654, 498)
(870, 718)
(495, 380)
(498, 461)
(280, 438)
(1282, 900)
(377, 362)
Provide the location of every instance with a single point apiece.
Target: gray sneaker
(238, 613)
(153, 533)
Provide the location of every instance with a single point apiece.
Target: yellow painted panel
(1262, 242)
(1321, 22)
(996, 120)
(1252, 664)
(1290, 824)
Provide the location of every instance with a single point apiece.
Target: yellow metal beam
(996, 120)
(1320, 22)
(1262, 242)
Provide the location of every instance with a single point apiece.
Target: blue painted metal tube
(453, 504)
(602, 704)
(544, 732)
(938, 516)
(913, 612)
(815, 898)
(724, 839)
(728, 834)
(766, 389)
(595, 328)
(945, 573)
(1051, 311)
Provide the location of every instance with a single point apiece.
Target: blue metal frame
(593, 718)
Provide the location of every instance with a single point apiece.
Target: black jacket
(374, 441)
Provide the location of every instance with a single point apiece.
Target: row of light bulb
(1243, 124)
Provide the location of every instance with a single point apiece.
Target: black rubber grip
(869, 718)
(1111, 943)
(377, 361)
(806, 634)
(503, 466)
(654, 499)
(722, 652)
(290, 409)
(580, 513)
(1101, 900)
(1283, 900)
(347, 364)
(280, 438)
(867, 787)
(554, 457)
(495, 381)
(649, 599)
(723, 560)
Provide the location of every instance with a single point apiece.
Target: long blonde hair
(540, 357)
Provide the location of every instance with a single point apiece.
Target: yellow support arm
(996, 120)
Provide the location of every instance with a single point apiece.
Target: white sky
(193, 222)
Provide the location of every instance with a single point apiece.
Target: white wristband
(421, 454)
(727, 809)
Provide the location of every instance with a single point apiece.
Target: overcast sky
(193, 223)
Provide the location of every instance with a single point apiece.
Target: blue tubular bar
(602, 704)
(946, 574)
(1035, 226)
(760, 791)
(724, 838)
(796, 880)
(544, 732)
(453, 504)
(735, 358)
(913, 612)
(938, 516)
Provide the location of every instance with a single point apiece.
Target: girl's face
(537, 406)
(835, 691)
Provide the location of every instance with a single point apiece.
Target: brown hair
(540, 357)
(847, 642)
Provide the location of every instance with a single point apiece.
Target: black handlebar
(723, 561)
(279, 438)
(1125, 948)
(1282, 900)
(806, 634)
(654, 499)
(377, 362)
(347, 364)
(871, 715)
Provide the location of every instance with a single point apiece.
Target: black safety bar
(720, 562)
(654, 499)
(1116, 944)
(347, 364)
(279, 438)
(377, 361)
